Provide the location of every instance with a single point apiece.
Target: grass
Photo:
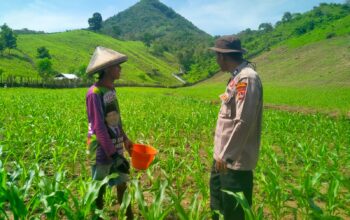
(324, 63)
(301, 172)
(73, 49)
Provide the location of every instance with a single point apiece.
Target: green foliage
(43, 52)
(95, 22)
(8, 37)
(305, 27)
(266, 27)
(27, 31)
(73, 49)
(292, 26)
(81, 71)
(163, 30)
(45, 68)
(287, 16)
(2, 45)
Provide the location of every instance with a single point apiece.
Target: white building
(68, 76)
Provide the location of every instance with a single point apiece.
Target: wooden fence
(22, 81)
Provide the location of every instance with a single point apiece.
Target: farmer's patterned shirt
(105, 133)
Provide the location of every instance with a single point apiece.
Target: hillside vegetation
(323, 21)
(163, 30)
(292, 45)
(72, 50)
(316, 76)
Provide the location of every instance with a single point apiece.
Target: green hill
(72, 50)
(154, 23)
(326, 62)
(164, 30)
(315, 58)
(324, 21)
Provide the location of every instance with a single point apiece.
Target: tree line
(8, 39)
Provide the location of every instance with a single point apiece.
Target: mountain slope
(72, 50)
(328, 20)
(323, 63)
(163, 30)
(315, 76)
(152, 21)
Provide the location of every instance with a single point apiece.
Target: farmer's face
(114, 71)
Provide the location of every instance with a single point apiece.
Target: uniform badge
(241, 89)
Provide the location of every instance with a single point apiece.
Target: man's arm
(95, 114)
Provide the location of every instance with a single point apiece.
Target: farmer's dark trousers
(234, 181)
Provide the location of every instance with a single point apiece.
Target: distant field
(71, 50)
(321, 64)
(330, 99)
(301, 174)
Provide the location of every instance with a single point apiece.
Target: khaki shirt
(238, 129)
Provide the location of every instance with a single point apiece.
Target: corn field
(303, 170)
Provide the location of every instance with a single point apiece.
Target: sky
(216, 17)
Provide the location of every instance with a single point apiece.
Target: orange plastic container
(142, 156)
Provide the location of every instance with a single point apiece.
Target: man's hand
(128, 146)
(220, 166)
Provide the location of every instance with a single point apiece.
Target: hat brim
(105, 65)
(220, 50)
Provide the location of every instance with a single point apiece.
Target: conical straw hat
(104, 57)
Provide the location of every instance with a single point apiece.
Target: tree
(95, 23)
(287, 17)
(305, 27)
(147, 39)
(266, 27)
(43, 52)
(45, 68)
(9, 38)
(318, 12)
(2, 45)
(185, 58)
(81, 71)
(347, 2)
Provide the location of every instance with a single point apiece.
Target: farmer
(106, 136)
(238, 130)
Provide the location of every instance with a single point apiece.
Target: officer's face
(220, 61)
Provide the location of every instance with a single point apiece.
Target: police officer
(238, 130)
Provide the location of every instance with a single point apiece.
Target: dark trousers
(234, 181)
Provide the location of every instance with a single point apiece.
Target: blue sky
(216, 17)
